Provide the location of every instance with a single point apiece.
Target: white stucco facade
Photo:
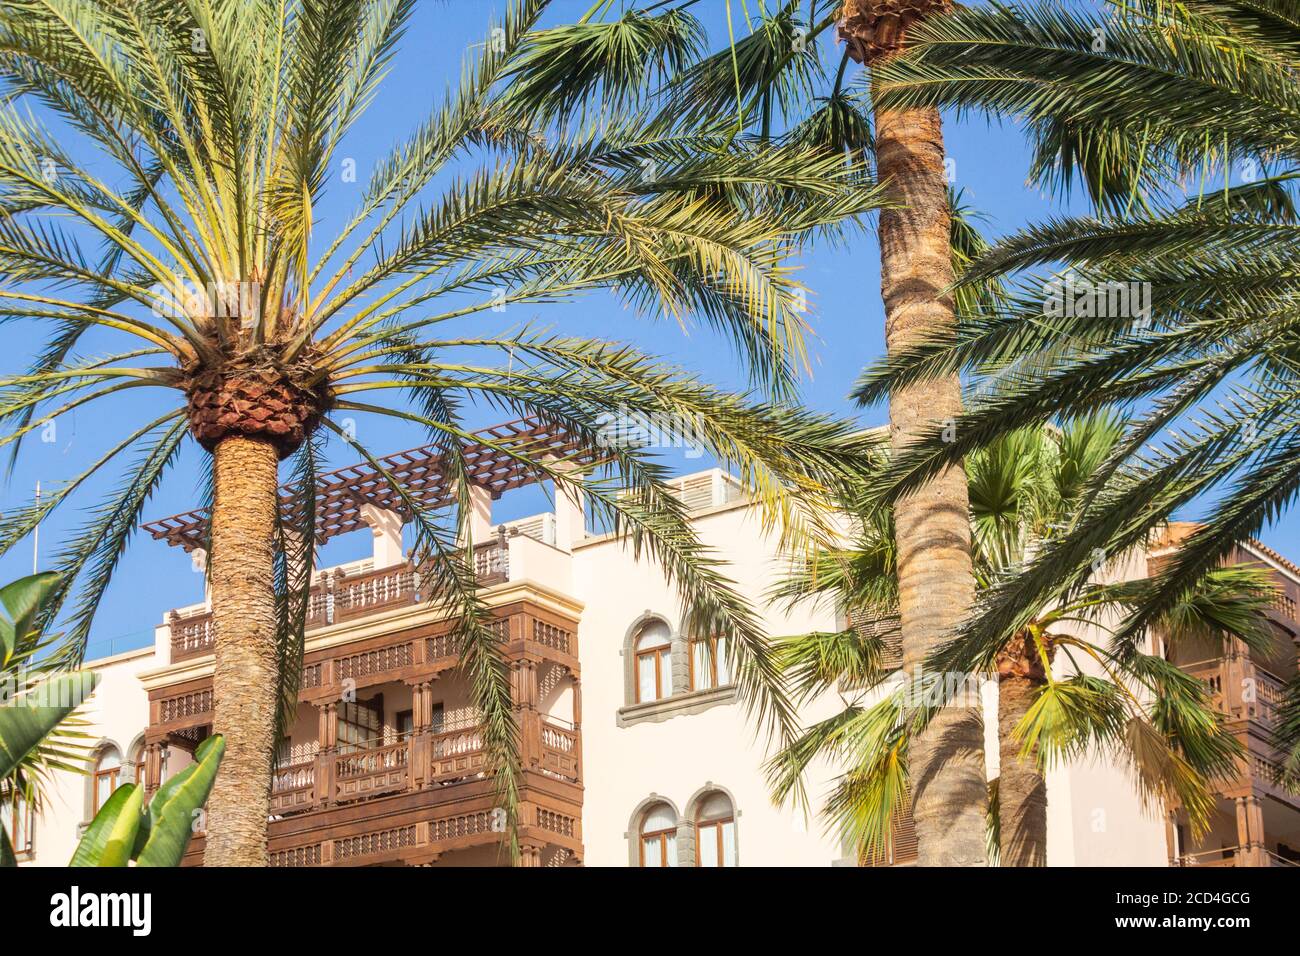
(674, 752)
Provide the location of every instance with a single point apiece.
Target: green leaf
(23, 727)
(111, 835)
(121, 838)
(171, 812)
(22, 599)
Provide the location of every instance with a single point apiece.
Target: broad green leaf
(121, 838)
(103, 839)
(165, 792)
(21, 600)
(23, 727)
(171, 818)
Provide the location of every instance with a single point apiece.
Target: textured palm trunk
(1022, 789)
(243, 614)
(935, 583)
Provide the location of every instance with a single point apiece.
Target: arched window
(658, 836)
(715, 831)
(709, 663)
(108, 772)
(18, 822)
(654, 666)
(138, 752)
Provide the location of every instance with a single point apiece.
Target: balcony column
(570, 508)
(199, 562)
(327, 734)
(1254, 852)
(154, 755)
(420, 745)
(1236, 672)
(523, 692)
(297, 546)
(523, 684)
(386, 526)
(479, 519)
(530, 855)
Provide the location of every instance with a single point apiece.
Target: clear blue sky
(847, 316)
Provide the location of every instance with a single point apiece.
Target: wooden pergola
(491, 462)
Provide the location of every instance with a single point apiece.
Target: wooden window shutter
(903, 852)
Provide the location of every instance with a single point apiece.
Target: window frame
(115, 773)
(661, 836)
(662, 653)
(20, 825)
(712, 662)
(701, 826)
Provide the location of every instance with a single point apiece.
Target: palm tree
(773, 84)
(936, 586)
(1141, 103)
(1060, 695)
(215, 127)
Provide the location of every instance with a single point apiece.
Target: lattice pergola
(341, 494)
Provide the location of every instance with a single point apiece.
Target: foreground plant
(126, 830)
(38, 728)
(220, 123)
(1060, 694)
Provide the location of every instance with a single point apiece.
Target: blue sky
(990, 165)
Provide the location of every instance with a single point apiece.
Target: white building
(636, 750)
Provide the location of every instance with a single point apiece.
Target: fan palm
(1060, 695)
(1134, 102)
(220, 124)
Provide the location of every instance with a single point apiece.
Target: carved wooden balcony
(1250, 697)
(339, 596)
(412, 799)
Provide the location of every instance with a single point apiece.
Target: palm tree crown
(222, 122)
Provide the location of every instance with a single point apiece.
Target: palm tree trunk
(936, 587)
(243, 615)
(1022, 789)
(935, 583)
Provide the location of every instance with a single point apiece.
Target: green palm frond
(605, 65)
(1137, 100)
(851, 658)
(153, 144)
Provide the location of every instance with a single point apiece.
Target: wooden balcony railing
(411, 762)
(1223, 856)
(1234, 856)
(1241, 689)
(560, 751)
(1251, 698)
(339, 596)
(368, 771)
(191, 635)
